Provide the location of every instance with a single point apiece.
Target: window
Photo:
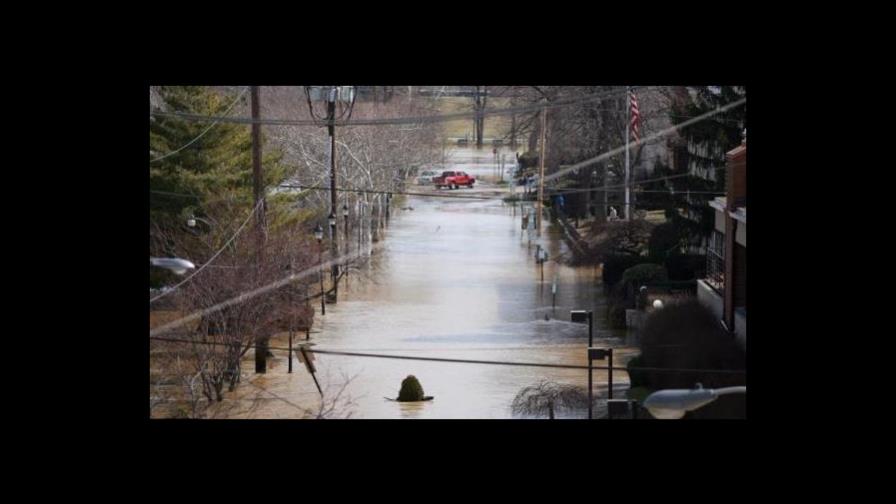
(715, 262)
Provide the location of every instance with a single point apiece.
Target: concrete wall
(708, 297)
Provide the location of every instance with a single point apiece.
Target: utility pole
(334, 245)
(261, 345)
(628, 120)
(544, 112)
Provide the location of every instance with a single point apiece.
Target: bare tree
(622, 237)
(480, 98)
(546, 398)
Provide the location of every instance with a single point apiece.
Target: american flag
(636, 116)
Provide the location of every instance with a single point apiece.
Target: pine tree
(217, 165)
(703, 154)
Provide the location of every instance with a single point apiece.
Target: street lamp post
(598, 354)
(674, 403)
(581, 316)
(319, 234)
(335, 269)
(345, 214)
(360, 224)
(554, 296)
(640, 301)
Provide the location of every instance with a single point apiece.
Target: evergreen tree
(214, 166)
(703, 155)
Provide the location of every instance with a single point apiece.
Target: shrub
(644, 274)
(411, 390)
(616, 315)
(615, 266)
(686, 266)
(686, 334)
(664, 239)
(636, 378)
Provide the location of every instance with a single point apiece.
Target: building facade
(724, 290)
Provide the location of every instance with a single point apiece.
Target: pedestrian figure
(613, 215)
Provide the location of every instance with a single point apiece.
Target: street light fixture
(334, 272)
(674, 403)
(177, 265)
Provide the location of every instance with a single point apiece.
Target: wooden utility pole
(261, 345)
(544, 112)
(334, 236)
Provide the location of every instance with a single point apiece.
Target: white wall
(720, 221)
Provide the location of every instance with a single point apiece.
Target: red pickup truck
(453, 180)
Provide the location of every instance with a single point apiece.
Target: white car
(425, 177)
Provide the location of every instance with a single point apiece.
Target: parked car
(426, 177)
(453, 180)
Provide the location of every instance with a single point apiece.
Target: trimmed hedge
(686, 266)
(664, 240)
(644, 274)
(615, 266)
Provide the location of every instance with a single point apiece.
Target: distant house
(725, 286)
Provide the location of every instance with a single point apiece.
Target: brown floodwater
(453, 278)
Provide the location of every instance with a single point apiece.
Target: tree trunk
(602, 217)
(550, 411)
(534, 135)
(513, 130)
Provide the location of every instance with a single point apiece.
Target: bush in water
(411, 390)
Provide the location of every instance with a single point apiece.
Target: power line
(206, 130)
(387, 121)
(473, 196)
(468, 361)
(371, 191)
(654, 136)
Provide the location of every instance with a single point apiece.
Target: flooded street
(452, 278)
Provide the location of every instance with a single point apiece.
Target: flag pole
(628, 122)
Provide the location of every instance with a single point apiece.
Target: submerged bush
(411, 390)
